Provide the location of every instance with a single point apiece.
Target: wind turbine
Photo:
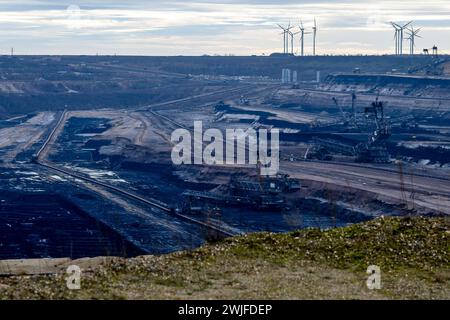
(314, 36)
(396, 37)
(413, 33)
(289, 33)
(302, 37)
(284, 38)
(286, 33)
(400, 35)
(292, 40)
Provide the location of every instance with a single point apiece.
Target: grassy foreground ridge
(413, 254)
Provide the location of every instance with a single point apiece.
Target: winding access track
(39, 159)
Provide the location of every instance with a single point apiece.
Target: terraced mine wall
(46, 225)
(395, 85)
(306, 67)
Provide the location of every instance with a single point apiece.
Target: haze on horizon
(213, 27)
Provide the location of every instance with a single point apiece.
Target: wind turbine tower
(289, 33)
(314, 36)
(302, 38)
(413, 33)
(402, 34)
(284, 38)
(292, 40)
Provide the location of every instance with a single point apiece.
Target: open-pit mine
(86, 143)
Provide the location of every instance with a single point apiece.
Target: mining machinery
(348, 118)
(375, 149)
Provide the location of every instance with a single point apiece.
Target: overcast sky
(213, 27)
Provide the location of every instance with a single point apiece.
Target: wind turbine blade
(407, 25)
